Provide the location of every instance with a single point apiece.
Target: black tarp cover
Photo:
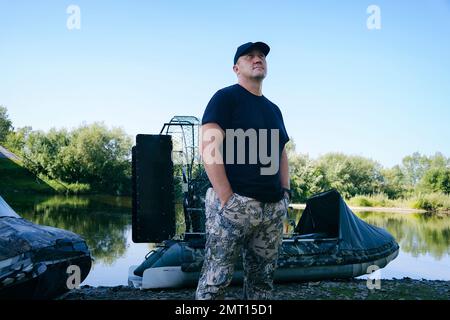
(328, 213)
(19, 236)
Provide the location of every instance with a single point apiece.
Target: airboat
(328, 242)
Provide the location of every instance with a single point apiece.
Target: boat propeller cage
(166, 169)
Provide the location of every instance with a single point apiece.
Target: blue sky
(382, 94)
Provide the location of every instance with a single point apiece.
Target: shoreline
(348, 289)
(375, 209)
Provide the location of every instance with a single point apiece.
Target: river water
(105, 223)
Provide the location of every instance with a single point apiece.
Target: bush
(431, 202)
(67, 188)
(360, 201)
(436, 180)
(381, 200)
(376, 200)
(5, 124)
(306, 178)
(351, 175)
(78, 188)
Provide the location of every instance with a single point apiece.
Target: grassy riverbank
(433, 202)
(15, 178)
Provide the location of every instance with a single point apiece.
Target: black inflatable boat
(35, 260)
(329, 242)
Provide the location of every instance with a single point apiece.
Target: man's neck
(253, 86)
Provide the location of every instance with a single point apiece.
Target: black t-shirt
(234, 107)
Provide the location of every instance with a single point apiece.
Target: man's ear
(236, 69)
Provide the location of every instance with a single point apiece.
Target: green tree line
(98, 159)
(355, 175)
(90, 158)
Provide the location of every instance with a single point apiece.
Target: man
(248, 200)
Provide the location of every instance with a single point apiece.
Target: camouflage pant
(244, 225)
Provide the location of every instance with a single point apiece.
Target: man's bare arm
(215, 171)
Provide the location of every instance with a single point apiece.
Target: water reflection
(417, 234)
(101, 223)
(105, 223)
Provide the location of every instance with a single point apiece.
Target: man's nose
(257, 59)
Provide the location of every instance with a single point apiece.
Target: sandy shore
(397, 289)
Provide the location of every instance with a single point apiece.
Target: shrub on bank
(376, 200)
(431, 202)
(360, 201)
(69, 188)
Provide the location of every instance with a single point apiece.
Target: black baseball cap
(249, 46)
